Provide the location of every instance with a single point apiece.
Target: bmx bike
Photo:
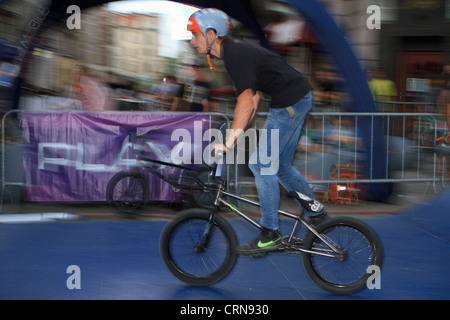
(128, 191)
(199, 246)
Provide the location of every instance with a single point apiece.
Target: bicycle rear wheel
(127, 192)
(346, 272)
(196, 251)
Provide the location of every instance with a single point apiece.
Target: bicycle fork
(208, 230)
(207, 233)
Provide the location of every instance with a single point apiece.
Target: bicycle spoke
(197, 257)
(358, 254)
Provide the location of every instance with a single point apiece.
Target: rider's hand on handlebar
(219, 149)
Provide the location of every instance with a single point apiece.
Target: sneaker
(308, 203)
(268, 240)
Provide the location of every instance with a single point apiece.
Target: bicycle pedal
(297, 242)
(293, 242)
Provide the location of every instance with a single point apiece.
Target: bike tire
(127, 192)
(363, 248)
(185, 257)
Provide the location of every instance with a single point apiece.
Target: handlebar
(220, 164)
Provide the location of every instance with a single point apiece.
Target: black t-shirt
(251, 66)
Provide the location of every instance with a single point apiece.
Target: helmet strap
(208, 51)
(211, 62)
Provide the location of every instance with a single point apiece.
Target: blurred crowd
(197, 94)
(87, 92)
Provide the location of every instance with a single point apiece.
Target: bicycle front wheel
(127, 192)
(197, 251)
(347, 271)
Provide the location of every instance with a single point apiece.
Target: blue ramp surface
(120, 260)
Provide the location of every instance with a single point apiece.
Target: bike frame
(298, 220)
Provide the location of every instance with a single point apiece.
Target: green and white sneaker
(268, 240)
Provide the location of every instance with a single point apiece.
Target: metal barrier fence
(408, 141)
(331, 150)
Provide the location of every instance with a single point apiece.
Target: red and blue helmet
(210, 18)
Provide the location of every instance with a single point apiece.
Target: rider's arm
(256, 99)
(244, 112)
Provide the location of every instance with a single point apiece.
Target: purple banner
(71, 156)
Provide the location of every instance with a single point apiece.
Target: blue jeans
(268, 184)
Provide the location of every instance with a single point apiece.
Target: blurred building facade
(410, 42)
(14, 16)
(111, 46)
(411, 45)
(415, 45)
(134, 45)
